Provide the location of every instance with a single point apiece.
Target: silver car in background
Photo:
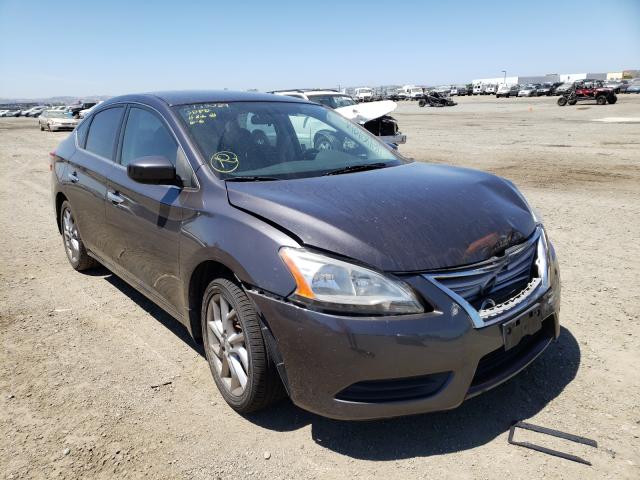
(54, 120)
(528, 91)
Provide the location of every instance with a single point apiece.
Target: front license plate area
(526, 323)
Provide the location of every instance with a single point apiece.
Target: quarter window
(102, 132)
(82, 131)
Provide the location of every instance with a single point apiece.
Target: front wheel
(613, 99)
(235, 349)
(562, 101)
(422, 102)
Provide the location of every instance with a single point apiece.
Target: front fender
(242, 243)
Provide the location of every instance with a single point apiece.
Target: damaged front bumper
(374, 367)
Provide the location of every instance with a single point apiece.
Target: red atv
(588, 90)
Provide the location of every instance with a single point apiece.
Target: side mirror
(153, 170)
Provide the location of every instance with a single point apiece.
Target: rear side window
(146, 135)
(101, 138)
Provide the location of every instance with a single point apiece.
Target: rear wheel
(572, 101)
(73, 246)
(235, 348)
(601, 100)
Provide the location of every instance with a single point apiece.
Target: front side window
(279, 140)
(101, 138)
(145, 135)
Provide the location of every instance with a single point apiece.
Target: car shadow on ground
(476, 422)
(173, 325)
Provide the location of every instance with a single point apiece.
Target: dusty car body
(447, 283)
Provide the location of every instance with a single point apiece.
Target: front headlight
(331, 284)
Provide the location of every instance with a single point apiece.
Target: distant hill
(66, 100)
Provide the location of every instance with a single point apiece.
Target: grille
(379, 391)
(496, 281)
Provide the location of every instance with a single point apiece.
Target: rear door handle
(73, 177)
(115, 198)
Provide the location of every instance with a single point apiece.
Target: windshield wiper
(357, 168)
(255, 178)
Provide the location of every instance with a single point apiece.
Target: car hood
(363, 112)
(413, 217)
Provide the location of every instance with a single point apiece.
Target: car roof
(185, 97)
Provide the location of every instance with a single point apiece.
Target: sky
(82, 48)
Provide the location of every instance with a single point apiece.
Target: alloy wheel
(71, 237)
(226, 340)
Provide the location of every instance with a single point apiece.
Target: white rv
(363, 94)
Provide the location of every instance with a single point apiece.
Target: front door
(143, 220)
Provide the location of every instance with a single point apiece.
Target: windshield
(56, 114)
(332, 101)
(279, 140)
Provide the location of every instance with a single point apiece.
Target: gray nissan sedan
(310, 259)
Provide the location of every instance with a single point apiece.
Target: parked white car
(490, 89)
(54, 120)
(373, 116)
(507, 90)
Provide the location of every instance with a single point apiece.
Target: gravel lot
(97, 382)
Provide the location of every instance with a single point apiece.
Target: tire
(562, 101)
(243, 359)
(613, 99)
(572, 102)
(72, 242)
(601, 100)
(41, 127)
(49, 127)
(326, 142)
(422, 102)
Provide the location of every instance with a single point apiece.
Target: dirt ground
(97, 382)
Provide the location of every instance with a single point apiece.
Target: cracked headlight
(330, 284)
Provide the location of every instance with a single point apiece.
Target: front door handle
(115, 198)
(73, 177)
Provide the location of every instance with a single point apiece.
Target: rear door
(144, 221)
(85, 177)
